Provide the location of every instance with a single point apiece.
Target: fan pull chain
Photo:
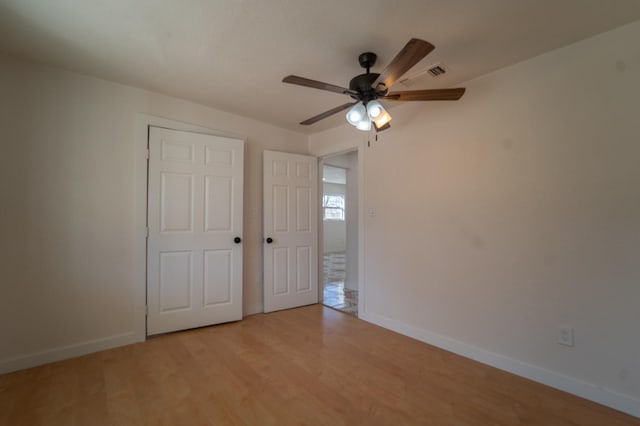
(369, 139)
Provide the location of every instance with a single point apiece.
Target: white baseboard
(589, 391)
(65, 352)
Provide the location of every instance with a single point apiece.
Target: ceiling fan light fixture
(382, 119)
(378, 114)
(374, 109)
(356, 114)
(364, 124)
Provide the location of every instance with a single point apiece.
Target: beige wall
(67, 224)
(513, 211)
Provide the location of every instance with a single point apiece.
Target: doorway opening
(339, 215)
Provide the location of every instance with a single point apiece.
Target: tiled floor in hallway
(336, 296)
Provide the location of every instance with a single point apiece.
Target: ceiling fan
(367, 89)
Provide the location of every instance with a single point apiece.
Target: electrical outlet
(565, 335)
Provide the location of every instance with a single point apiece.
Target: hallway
(336, 296)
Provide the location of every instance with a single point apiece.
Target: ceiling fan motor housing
(362, 84)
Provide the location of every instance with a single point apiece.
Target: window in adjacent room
(333, 206)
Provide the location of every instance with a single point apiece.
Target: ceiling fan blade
(427, 95)
(301, 81)
(327, 113)
(410, 55)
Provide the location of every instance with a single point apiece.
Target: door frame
(143, 121)
(360, 149)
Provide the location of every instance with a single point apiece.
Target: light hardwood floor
(311, 365)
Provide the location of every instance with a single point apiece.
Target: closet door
(194, 247)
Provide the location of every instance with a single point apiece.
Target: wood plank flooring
(310, 365)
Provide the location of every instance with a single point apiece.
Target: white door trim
(143, 121)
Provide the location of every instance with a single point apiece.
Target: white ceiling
(233, 54)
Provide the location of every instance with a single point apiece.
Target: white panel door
(194, 250)
(290, 230)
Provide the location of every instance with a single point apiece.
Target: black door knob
(269, 240)
(237, 240)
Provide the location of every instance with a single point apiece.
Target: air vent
(434, 71)
(437, 70)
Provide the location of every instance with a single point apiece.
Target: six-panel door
(194, 275)
(290, 223)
